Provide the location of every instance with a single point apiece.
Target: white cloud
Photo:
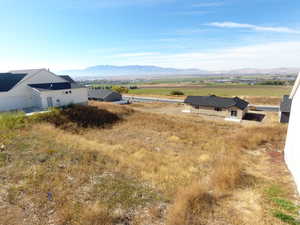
(254, 27)
(269, 55)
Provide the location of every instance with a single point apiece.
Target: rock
(119, 213)
(2, 148)
(157, 149)
(174, 138)
(50, 196)
(43, 158)
(204, 157)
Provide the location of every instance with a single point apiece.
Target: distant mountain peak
(151, 71)
(130, 70)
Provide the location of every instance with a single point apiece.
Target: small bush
(176, 93)
(12, 120)
(193, 205)
(120, 89)
(79, 116)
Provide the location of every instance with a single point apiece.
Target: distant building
(285, 109)
(229, 108)
(104, 95)
(38, 89)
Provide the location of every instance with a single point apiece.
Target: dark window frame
(233, 113)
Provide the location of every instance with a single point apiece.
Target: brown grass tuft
(227, 172)
(193, 205)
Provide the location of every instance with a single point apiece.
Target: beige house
(228, 108)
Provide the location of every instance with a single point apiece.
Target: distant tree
(273, 82)
(175, 92)
(120, 89)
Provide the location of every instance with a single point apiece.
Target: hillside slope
(135, 167)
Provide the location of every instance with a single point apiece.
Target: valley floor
(110, 164)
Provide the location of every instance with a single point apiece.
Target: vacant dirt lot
(175, 109)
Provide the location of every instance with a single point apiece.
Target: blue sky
(204, 34)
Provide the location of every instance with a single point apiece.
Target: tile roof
(215, 101)
(9, 80)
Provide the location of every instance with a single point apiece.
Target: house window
(218, 109)
(233, 113)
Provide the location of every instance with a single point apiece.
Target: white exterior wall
(292, 147)
(13, 101)
(36, 99)
(78, 96)
(17, 98)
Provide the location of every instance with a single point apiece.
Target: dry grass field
(106, 164)
(256, 94)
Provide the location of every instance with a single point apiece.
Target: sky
(204, 34)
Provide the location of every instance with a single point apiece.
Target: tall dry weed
(193, 205)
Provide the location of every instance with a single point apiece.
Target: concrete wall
(292, 147)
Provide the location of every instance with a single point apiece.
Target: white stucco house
(38, 89)
(292, 146)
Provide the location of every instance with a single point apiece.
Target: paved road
(268, 108)
(150, 99)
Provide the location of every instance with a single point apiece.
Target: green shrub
(286, 218)
(286, 205)
(12, 120)
(120, 89)
(176, 92)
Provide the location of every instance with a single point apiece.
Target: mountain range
(139, 71)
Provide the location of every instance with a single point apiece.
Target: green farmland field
(230, 90)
